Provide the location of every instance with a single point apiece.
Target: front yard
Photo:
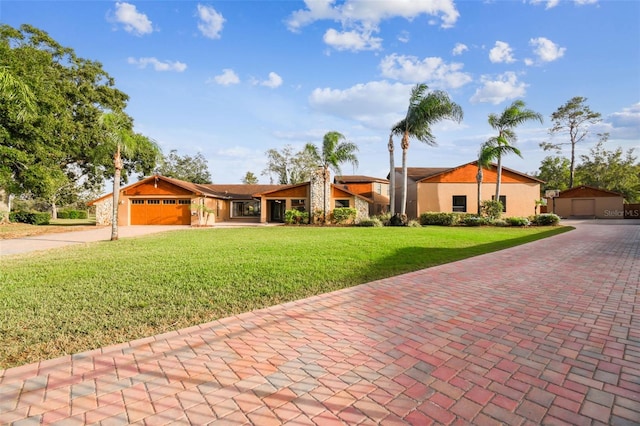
(78, 298)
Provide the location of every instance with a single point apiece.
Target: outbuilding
(587, 202)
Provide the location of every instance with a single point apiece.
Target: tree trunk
(54, 210)
(571, 168)
(479, 181)
(498, 178)
(392, 178)
(117, 162)
(405, 148)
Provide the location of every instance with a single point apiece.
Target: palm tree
(335, 151)
(514, 115)
(425, 109)
(485, 157)
(120, 139)
(392, 178)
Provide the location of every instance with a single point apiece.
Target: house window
(168, 201)
(460, 203)
(378, 186)
(503, 200)
(137, 201)
(183, 201)
(342, 203)
(245, 208)
(299, 205)
(153, 201)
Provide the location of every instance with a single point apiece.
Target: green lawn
(78, 298)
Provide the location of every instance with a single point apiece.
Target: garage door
(160, 212)
(583, 207)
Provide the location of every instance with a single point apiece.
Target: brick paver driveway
(545, 333)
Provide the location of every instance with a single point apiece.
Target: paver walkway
(545, 333)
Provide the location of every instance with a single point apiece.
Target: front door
(276, 210)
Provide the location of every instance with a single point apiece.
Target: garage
(583, 207)
(157, 211)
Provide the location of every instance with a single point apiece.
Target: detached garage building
(587, 202)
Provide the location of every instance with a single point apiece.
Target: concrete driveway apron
(543, 333)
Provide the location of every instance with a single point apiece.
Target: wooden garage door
(152, 211)
(583, 207)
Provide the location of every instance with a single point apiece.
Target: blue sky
(232, 79)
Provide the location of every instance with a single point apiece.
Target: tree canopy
(287, 167)
(188, 168)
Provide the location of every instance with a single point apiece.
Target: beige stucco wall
(438, 197)
(605, 207)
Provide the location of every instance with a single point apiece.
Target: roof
(241, 191)
(587, 191)
(422, 173)
(358, 179)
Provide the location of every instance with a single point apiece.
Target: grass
(78, 298)
(19, 230)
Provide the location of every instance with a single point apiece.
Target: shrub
(492, 209)
(373, 222)
(518, 221)
(63, 214)
(413, 223)
(498, 222)
(344, 215)
(31, 218)
(439, 219)
(474, 221)
(398, 220)
(545, 219)
(384, 218)
(295, 217)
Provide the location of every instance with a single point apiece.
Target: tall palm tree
(513, 115)
(486, 155)
(335, 151)
(425, 109)
(120, 139)
(392, 177)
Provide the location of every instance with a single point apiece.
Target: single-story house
(375, 189)
(588, 202)
(160, 200)
(455, 189)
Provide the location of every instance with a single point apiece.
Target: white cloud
(546, 50)
(404, 37)
(434, 71)
(351, 40)
(211, 22)
(132, 20)
(502, 52)
(550, 3)
(361, 18)
(157, 64)
(495, 91)
(227, 78)
(377, 104)
(459, 48)
(274, 81)
(584, 2)
(624, 124)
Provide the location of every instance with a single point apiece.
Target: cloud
(361, 18)
(546, 50)
(274, 81)
(352, 40)
(211, 22)
(158, 65)
(624, 124)
(502, 52)
(227, 78)
(505, 87)
(434, 71)
(550, 3)
(458, 49)
(133, 21)
(377, 104)
(404, 37)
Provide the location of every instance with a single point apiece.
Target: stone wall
(362, 209)
(104, 211)
(320, 188)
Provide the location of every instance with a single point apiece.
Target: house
(589, 202)
(160, 200)
(375, 189)
(455, 189)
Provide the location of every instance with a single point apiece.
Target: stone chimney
(320, 191)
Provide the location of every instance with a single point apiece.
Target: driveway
(543, 333)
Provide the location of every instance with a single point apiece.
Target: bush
(384, 218)
(518, 221)
(72, 214)
(492, 209)
(398, 220)
(413, 223)
(31, 218)
(498, 222)
(474, 221)
(439, 219)
(297, 217)
(545, 219)
(373, 222)
(344, 215)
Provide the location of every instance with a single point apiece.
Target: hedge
(31, 218)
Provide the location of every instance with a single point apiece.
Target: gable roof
(419, 173)
(587, 191)
(358, 179)
(423, 174)
(241, 191)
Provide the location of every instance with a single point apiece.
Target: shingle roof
(358, 179)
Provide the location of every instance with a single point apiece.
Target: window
(168, 201)
(153, 201)
(137, 201)
(503, 200)
(460, 203)
(342, 203)
(299, 205)
(245, 208)
(378, 187)
(183, 201)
